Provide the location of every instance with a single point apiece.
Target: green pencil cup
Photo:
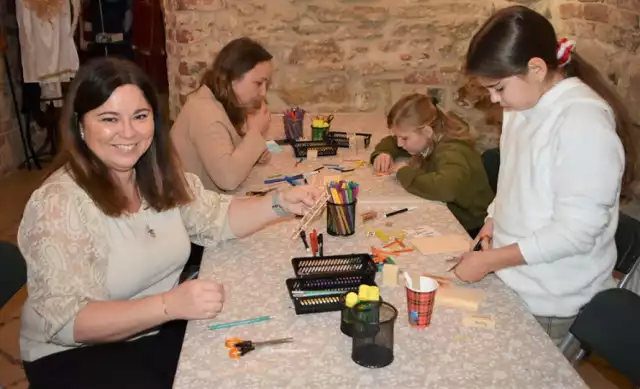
(317, 133)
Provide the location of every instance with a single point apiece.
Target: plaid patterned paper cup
(420, 302)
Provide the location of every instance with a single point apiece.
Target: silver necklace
(150, 231)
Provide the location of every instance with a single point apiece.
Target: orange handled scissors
(238, 347)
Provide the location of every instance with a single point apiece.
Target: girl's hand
(299, 199)
(195, 300)
(259, 120)
(487, 232)
(265, 157)
(382, 163)
(473, 266)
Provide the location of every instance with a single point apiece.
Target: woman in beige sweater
(219, 132)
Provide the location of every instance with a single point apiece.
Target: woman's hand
(486, 232)
(195, 300)
(259, 120)
(382, 163)
(473, 266)
(265, 157)
(299, 199)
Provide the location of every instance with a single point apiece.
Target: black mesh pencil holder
(348, 319)
(372, 335)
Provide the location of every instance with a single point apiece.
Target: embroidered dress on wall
(46, 29)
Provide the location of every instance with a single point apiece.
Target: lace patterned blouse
(76, 254)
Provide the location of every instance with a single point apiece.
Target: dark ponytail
(512, 36)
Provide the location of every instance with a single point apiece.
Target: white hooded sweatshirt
(561, 165)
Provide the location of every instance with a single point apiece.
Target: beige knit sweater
(210, 147)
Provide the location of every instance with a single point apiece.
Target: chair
(628, 245)
(192, 267)
(491, 162)
(609, 325)
(627, 240)
(13, 271)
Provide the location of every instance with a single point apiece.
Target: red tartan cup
(420, 302)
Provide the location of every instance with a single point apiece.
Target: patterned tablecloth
(516, 354)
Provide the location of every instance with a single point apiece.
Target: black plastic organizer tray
(317, 304)
(324, 150)
(335, 265)
(341, 139)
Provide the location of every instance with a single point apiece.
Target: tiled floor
(14, 193)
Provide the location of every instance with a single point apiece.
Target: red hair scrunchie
(565, 48)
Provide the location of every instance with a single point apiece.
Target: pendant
(151, 232)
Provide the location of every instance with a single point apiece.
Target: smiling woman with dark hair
(219, 131)
(106, 236)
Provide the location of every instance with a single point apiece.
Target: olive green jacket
(453, 173)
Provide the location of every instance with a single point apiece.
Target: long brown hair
(232, 62)
(512, 36)
(157, 173)
(418, 111)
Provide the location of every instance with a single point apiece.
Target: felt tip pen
(320, 245)
(399, 211)
(240, 322)
(303, 236)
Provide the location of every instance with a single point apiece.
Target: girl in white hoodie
(549, 234)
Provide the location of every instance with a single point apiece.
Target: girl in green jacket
(433, 156)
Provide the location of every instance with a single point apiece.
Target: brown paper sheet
(441, 244)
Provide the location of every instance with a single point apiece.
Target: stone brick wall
(608, 34)
(362, 55)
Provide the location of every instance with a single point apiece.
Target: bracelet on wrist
(164, 307)
(277, 207)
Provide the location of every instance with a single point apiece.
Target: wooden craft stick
(389, 274)
(313, 212)
(443, 281)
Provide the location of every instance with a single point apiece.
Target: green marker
(240, 322)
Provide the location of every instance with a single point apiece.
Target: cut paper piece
(389, 274)
(428, 245)
(461, 298)
(273, 147)
(479, 321)
(421, 231)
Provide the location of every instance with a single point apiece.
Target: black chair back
(628, 245)
(13, 271)
(609, 325)
(491, 162)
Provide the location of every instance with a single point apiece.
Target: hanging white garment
(48, 51)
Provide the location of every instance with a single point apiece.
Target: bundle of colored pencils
(341, 210)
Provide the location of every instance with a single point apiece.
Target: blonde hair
(419, 111)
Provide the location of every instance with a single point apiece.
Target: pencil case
(336, 265)
(317, 304)
(324, 150)
(341, 139)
